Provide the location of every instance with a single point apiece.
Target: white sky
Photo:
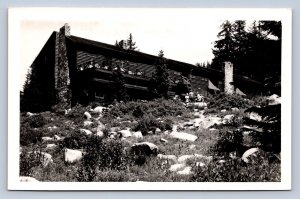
(184, 34)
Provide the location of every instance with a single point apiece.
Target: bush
(29, 136)
(28, 161)
(101, 155)
(75, 140)
(235, 170)
(76, 113)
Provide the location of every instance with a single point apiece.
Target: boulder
(183, 136)
(185, 171)
(100, 134)
(200, 104)
(235, 109)
(200, 164)
(176, 167)
(98, 109)
(29, 114)
(124, 133)
(45, 158)
(27, 179)
(255, 116)
(223, 110)
(163, 140)
(172, 158)
(248, 153)
(87, 123)
(182, 159)
(157, 131)
(72, 156)
(50, 146)
(146, 148)
(56, 137)
(227, 118)
(51, 128)
(85, 131)
(87, 115)
(274, 99)
(137, 134)
(47, 139)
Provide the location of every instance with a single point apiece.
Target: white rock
(227, 118)
(185, 171)
(255, 116)
(192, 146)
(100, 126)
(87, 123)
(274, 99)
(248, 153)
(72, 156)
(137, 134)
(183, 136)
(124, 133)
(98, 109)
(172, 158)
(45, 158)
(147, 147)
(27, 179)
(176, 167)
(200, 164)
(87, 115)
(29, 114)
(85, 131)
(56, 137)
(51, 128)
(157, 131)
(50, 146)
(235, 109)
(182, 159)
(163, 140)
(222, 161)
(223, 110)
(47, 139)
(200, 104)
(100, 134)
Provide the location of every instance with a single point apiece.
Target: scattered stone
(72, 156)
(176, 167)
(137, 134)
(200, 164)
(192, 146)
(51, 128)
(182, 159)
(222, 161)
(227, 118)
(87, 115)
(87, 123)
(29, 114)
(185, 171)
(85, 131)
(98, 109)
(27, 179)
(163, 140)
(274, 99)
(248, 153)
(56, 137)
(223, 110)
(46, 158)
(200, 104)
(157, 131)
(67, 111)
(172, 158)
(255, 116)
(212, 129)
(124, 133)
(100, 134)
(50, 146)
(183, 136)
(235, 109)
(47, 139)
(146, 148)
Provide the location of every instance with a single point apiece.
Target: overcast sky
(184, 34)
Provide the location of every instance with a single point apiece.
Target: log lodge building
(70, 70)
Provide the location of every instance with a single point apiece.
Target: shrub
(29, 136)
(76, 113)
(28, 161)
(235, 170)
(101, 155)
(75, 140)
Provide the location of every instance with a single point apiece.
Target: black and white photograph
(149, 99)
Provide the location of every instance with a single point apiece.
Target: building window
(99, 95)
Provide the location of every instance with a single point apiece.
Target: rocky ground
(161, 140)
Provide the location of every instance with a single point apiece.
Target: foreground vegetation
(217, 153)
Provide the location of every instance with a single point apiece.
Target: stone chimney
(228, 78)
(62, 75)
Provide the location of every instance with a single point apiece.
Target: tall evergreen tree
(119, 89)
(160, 83)
(130, 43)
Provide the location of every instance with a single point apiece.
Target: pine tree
(119, 89)
(160, 83)
(130, 43)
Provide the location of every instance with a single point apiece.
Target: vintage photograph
(188, 96)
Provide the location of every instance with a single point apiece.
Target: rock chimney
(228, 78)
(62, 75)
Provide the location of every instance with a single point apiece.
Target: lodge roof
(97, 46)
